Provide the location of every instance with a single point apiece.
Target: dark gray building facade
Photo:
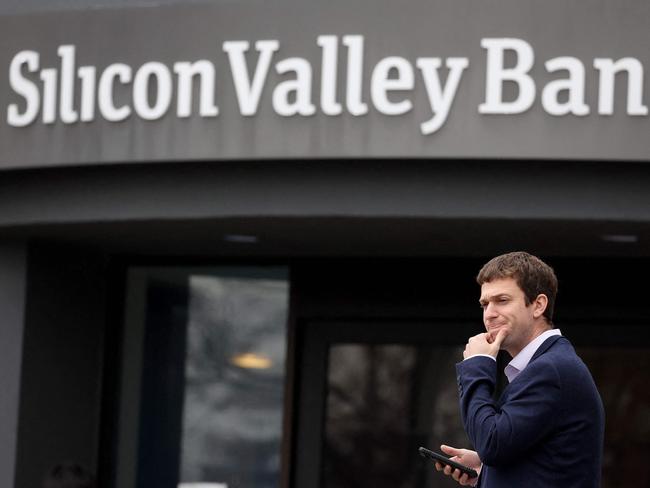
(238, 240)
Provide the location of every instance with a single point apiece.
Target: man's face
(504, 307)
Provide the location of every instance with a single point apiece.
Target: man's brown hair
(532, 275)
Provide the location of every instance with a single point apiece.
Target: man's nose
(489, 311)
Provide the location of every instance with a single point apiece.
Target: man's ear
(539, 305)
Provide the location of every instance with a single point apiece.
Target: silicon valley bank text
(72, 94)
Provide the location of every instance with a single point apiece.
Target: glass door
(203, 378)
(371, 394)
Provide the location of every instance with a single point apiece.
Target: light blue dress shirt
(521, 360)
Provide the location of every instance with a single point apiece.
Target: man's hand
(485, 343)
(462, 456)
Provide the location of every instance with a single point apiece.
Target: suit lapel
(546, 345)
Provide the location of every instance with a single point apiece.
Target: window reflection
(383, 402)
(234, 377)
(622, 376)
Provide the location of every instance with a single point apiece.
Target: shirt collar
(521, 360)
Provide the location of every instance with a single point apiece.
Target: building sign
(240, 83)
(154, 83)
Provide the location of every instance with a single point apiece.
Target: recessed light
(620, 238)
(241, 238)
(202, 485)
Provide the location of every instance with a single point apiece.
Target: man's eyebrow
(494, 297)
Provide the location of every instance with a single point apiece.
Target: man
(546, 430)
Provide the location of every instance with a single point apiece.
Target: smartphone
(444, 460)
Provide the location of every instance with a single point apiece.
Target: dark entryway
(373, 386)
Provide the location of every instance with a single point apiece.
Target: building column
(13, 270)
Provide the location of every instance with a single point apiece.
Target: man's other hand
(462, 456)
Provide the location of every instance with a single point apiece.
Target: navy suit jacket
(547, 428)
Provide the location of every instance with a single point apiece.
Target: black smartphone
(444, 460)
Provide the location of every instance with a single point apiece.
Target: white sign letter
(25, 88)
(574, 85)
(186, 71)
(497, 74)
(355, 74)
(301, 86)
(88, 76)
(328, 75)
(66, 97)
(49, 78)
(380, 84)
(608, 69)
(141, 90)
(105, 93)
(248, 94)
(440, 99)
